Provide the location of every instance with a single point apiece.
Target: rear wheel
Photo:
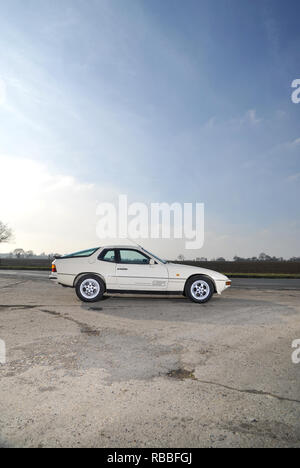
(90, 288)
(199, 289)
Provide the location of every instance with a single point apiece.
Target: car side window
(108, 256)
(133, 257)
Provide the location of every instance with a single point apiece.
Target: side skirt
(160, 293)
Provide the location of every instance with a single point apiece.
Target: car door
(135, 273)
(106, 267)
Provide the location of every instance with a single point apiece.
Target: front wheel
(90, 288)
(199, 289)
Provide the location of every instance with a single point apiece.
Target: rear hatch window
(82, 253)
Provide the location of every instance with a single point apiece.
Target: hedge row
(25, 262)
(223, 267)
(249, 267)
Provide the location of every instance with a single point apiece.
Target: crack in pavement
(250, 391)
(13, 284)
(18, 306)
(25, 306)
(84, 327)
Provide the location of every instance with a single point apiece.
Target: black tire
(94, 288)
(199, 292)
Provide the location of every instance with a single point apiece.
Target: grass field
(263, 275)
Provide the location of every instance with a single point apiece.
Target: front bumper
(223, 284)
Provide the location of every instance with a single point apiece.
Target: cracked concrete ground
(147, 372)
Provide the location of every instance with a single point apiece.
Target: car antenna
(128, 238)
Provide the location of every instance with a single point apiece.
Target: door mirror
(152, 261)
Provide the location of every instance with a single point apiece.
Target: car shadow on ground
(219, 311)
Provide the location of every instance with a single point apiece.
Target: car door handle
(122, 268)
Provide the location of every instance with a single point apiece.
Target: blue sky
(164, 101)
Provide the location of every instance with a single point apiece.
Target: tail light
(53, 268)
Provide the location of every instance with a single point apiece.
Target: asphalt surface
(148, 372)
(274, 284)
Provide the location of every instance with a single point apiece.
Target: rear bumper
(53, 277)
(62, 278)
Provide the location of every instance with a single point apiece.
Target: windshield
(155, 256)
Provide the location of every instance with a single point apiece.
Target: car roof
(137, 247)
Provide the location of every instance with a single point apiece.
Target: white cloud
(250, 117)
(295, 143)
(294, 177)
(2, 92)
(48, 211)
(55, 212)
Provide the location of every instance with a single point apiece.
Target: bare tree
(5, 233)
(29, 253)
(19, 253)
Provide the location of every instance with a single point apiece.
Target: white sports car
(128, 269)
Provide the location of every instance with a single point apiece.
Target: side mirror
(152, 261)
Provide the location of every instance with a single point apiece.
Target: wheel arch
(80, 275)
(197, 275)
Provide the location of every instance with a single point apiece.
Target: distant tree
(221, 259)
(53, 255)
(29, 253)
(264, 257)
(5, 233)
(19, 253)
(180, 258)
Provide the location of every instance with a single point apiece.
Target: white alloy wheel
(89, 288)
(200, 290)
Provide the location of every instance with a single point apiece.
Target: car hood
(187, 270)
